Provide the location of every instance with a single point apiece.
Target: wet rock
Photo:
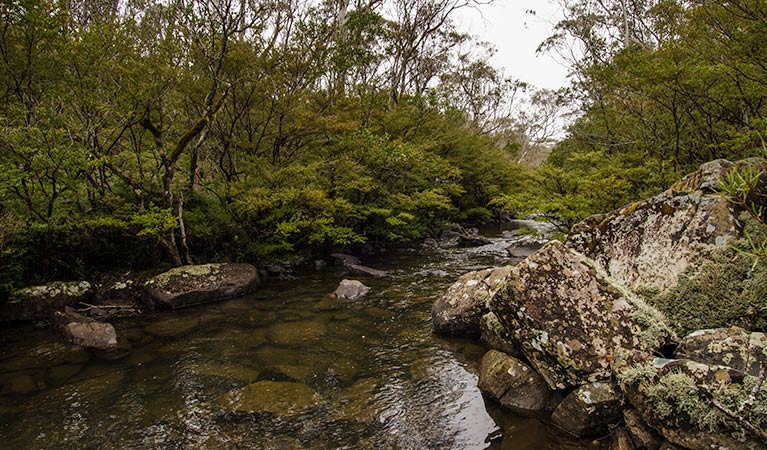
(60, 374)
(733, 347)
(471, 238)
(227, 371)
(522, 246)
(430, 243)
(343, 259)
(357, 402)
(293, 334)
(676, 398)
(646, 245)
(281, 399)
(570, 318)
(121, 350)
(621, 440)
(350, 290)
(496, 336)
(590, 410)
(460, 309)
(644, 437)
(367, 271)
(41, 302)
(98, 335)
(191, 285)
(172, 327)
(438, 273)
(46, 355)
(320, 264)
(21, 383)
(295, 372)
(515, 385)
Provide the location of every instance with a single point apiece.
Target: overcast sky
(516, 35)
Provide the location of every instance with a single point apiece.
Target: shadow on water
(369, 374)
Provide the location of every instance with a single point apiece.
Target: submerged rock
(461, 308)
(172, 327)
(191, 285)
(281, 399)
(350, 290)
(570, 318)
(367, 271)
(591, 410)
(41, 302)
(515, 385)
(292, 334)
(733, 347)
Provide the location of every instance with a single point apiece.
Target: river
(378, 377)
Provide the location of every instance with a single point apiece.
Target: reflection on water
(367, 374)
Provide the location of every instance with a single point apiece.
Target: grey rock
(590, 410)
(91, 334)
(350, 290)
(345, 260)
(367, 271)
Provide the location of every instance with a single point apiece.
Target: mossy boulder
(460, 310)
(191, 285)
(733, 347)
(570, 317)
(590, 410)
(42, 302)
(513, 384)
(281, 399)
(683, 401)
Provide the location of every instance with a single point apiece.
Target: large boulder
(496, 336)
(42, 302)
(512, 383)
(460, 309)
(733, 347)
(191, 285)
(591, 410)
(648, 244)
(570, 317)
(685, 401)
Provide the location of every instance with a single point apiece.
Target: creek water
(368, 374)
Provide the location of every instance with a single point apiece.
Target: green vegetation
(136, 133)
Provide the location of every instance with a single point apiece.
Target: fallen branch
(741, 421)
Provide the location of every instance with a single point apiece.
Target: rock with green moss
(648, 244)
(460, 309)
(42, 302)
(570, 317)
(191, 285)
(685, 401)
(513, 384)
(590, 410)
(733, 347)
(496, 336)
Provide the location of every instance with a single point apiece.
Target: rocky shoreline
(580, 334)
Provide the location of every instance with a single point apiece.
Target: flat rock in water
(590, 410)
(191, 285)
(292, 334)
(733, 347)
(515, 385)
(569, 317)
(350, 290)
(42, 302)
(281, 399)
(367, 271)
(172, 327)
(345, 260)
(460, 309)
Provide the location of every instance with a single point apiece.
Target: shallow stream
(368, 374)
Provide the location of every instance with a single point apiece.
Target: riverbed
(377, 377)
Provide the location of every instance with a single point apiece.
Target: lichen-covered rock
(191, 285)
(41, 302)
(570, 317)
(679, 399)
(496, 336)
(461, 308)
(643, 436)
(515, 385)
(281, 399)
(591, 410)
(350, 290)
(648, 244)
(733, 347)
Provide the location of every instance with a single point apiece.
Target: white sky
(516, 35)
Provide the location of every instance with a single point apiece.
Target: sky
(516, 35)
